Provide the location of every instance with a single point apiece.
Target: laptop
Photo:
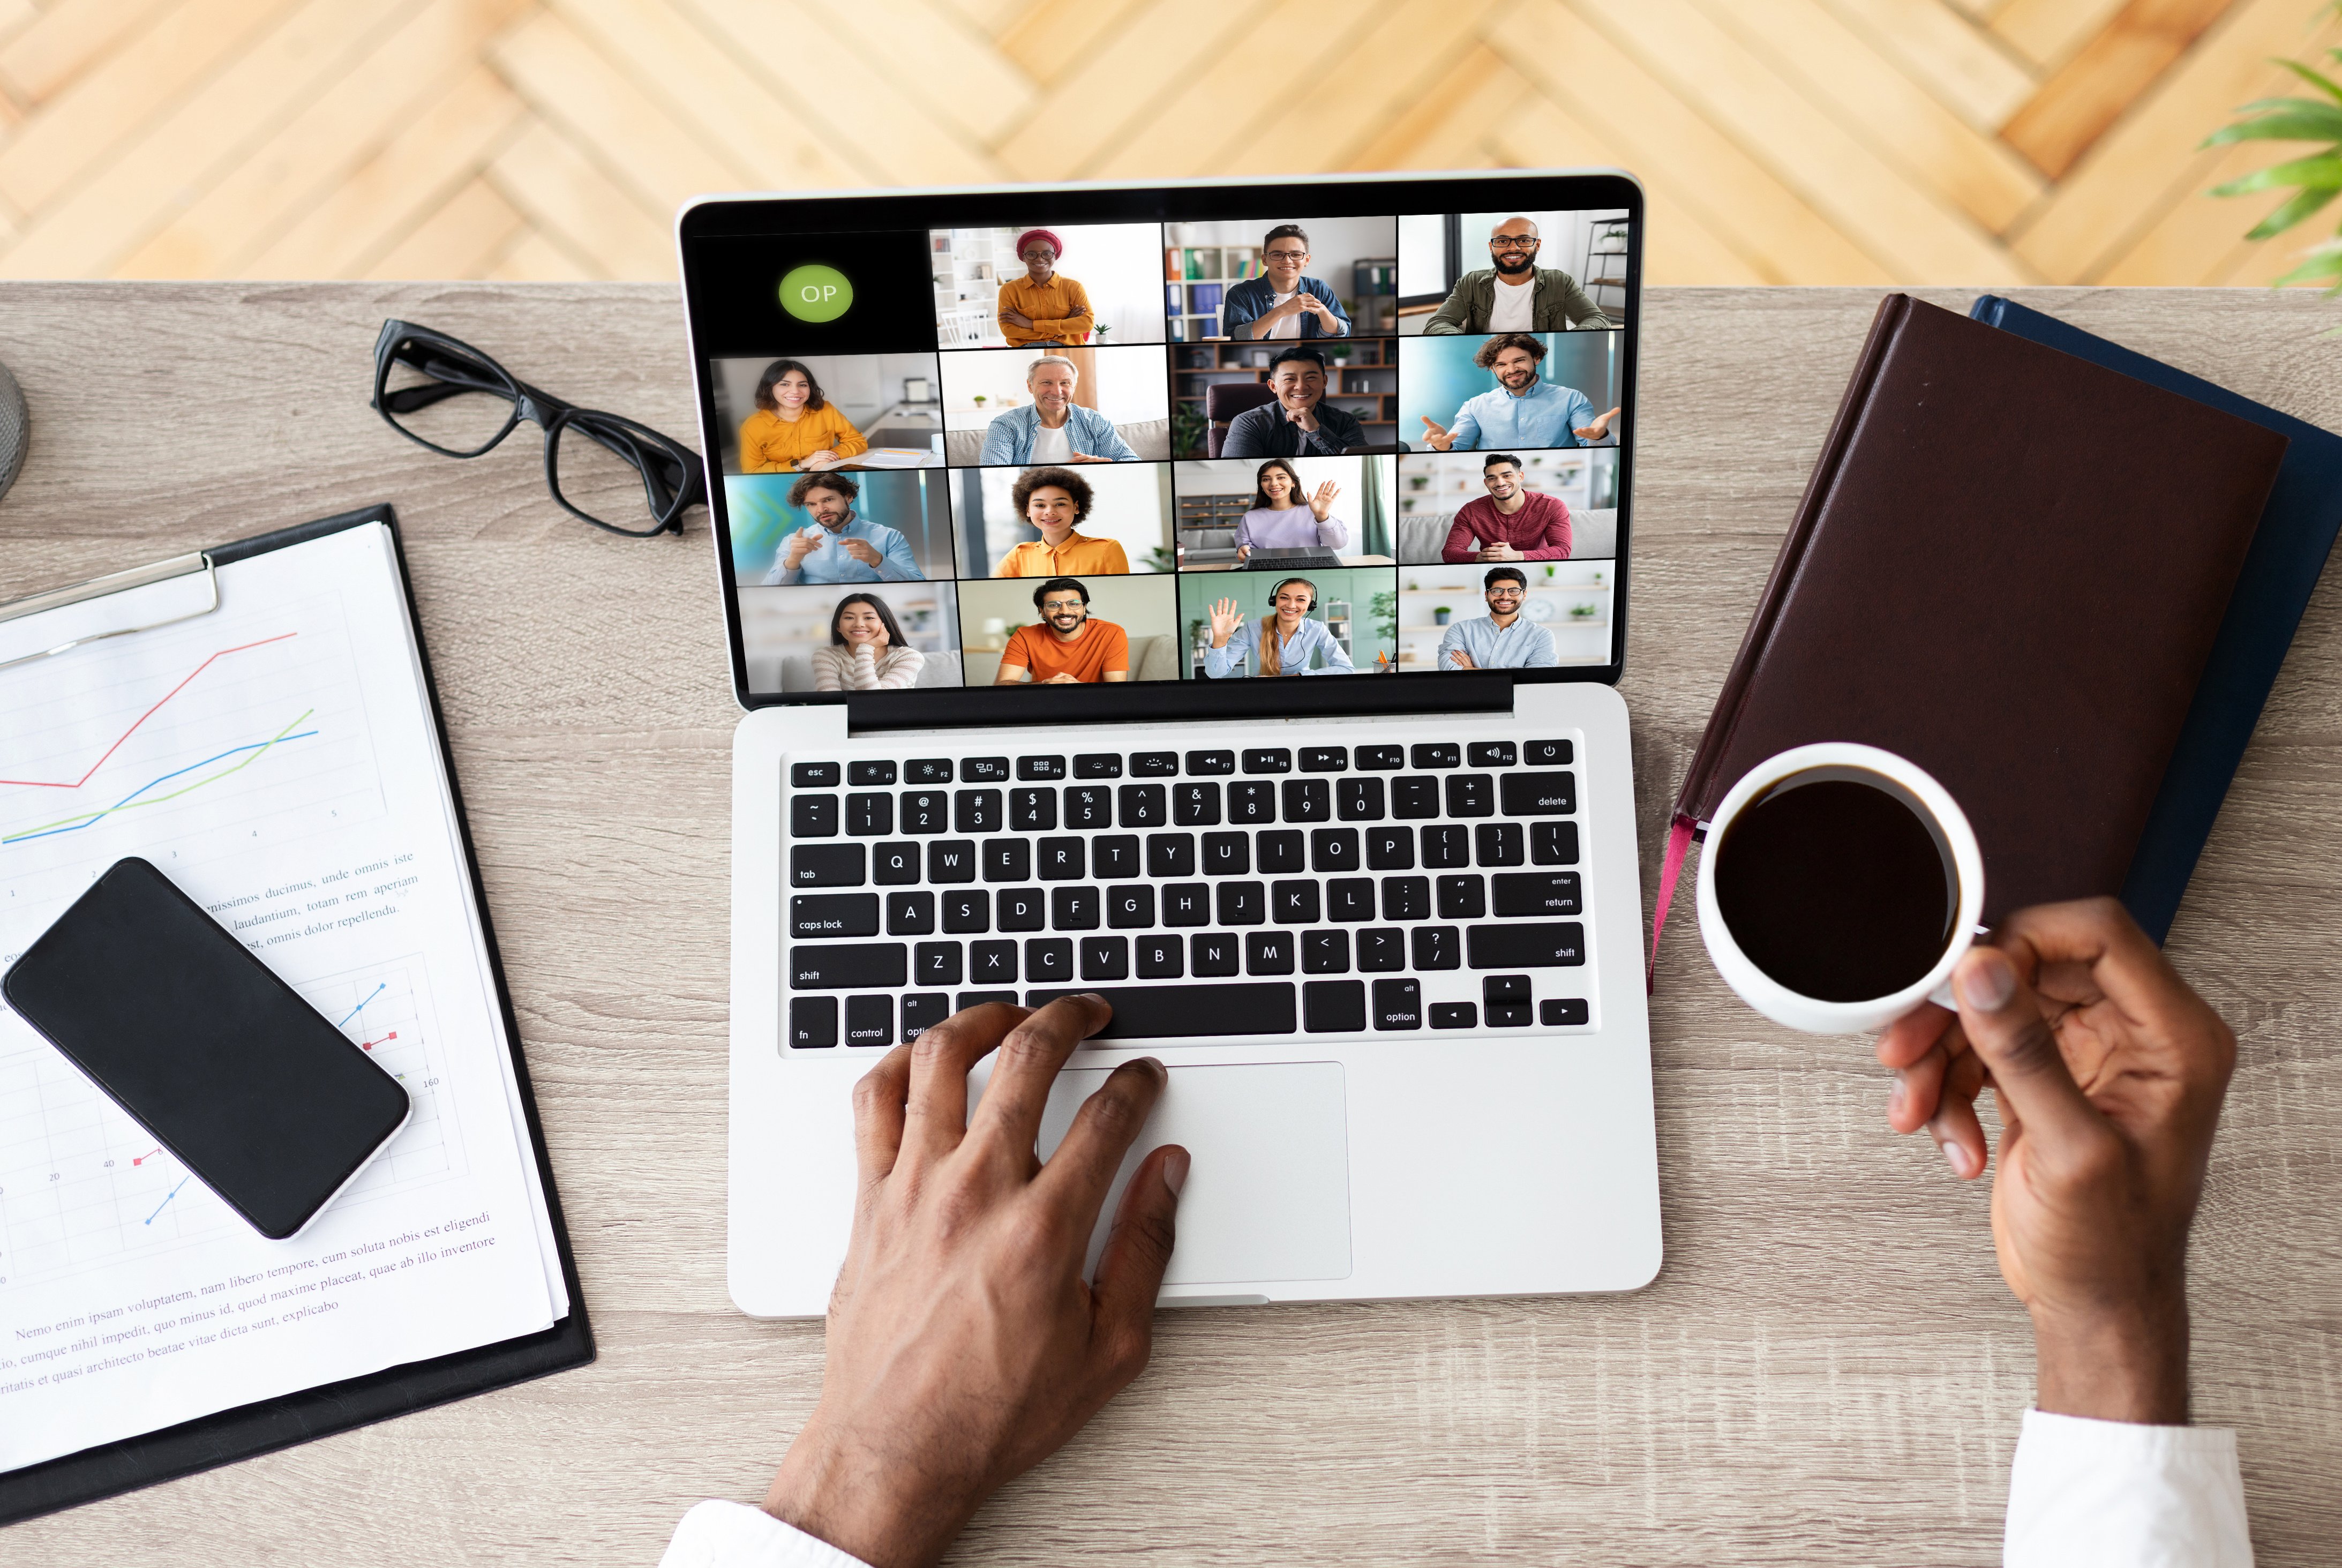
(1349, 843)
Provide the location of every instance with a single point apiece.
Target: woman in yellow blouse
(795, 427)
(1041, 306)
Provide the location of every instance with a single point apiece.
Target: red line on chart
(147, 1156)
(166, 696)
(370, 1044)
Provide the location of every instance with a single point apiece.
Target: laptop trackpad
(1268, 1196)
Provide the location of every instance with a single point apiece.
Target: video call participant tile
(812, 294)
(889, 636)
(1511, 271)
(1333, 621)
(1093, 519)
(1508, 615)
(828, 411)
(1286, 400)
(1248, 280)
(1496, 507)
(1039, 284)
(1078, 631)
(1230, 509)
(1025, 406)
(798, 530)
(1510, 391)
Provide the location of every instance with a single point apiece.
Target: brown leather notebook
(2009, 566)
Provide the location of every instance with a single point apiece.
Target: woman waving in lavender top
(1285, 517)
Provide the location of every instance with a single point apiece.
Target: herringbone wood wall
(1783, 141)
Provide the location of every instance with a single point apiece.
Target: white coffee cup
(1770, 996)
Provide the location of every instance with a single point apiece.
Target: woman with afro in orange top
(794, 428)
(1043, 307)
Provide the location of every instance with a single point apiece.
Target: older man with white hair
(1053, 428)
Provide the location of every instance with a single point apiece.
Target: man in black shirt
(1300, 422)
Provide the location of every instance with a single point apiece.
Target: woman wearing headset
(1288, 647)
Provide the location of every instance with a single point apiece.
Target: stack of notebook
(2058, 574)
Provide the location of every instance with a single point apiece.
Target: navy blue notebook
(2280, 572)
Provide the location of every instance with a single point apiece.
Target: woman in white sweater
(866, 652)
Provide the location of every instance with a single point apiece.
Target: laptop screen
(1211, 437)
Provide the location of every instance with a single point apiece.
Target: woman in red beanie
(1043, 307)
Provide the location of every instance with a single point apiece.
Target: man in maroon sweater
(1511, 523)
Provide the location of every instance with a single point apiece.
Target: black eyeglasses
(434, 405)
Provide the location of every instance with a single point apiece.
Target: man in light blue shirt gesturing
(1521, 410)
(841, 547)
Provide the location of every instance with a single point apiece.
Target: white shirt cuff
(717, 1535)
(2086, 1493)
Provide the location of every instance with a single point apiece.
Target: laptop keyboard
(1380, 889)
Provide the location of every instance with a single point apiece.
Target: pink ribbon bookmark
(1680, 834)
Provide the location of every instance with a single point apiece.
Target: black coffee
(1839, 889)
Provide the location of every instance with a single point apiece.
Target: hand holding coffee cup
(1840, 886)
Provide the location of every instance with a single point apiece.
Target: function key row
(1255, 760)
(1196, 803)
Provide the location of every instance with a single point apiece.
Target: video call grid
(970, 616)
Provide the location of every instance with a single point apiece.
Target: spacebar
(1175, 1012)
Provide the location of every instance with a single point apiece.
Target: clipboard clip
(101, 588)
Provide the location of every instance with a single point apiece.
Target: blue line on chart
(169, 1196)
(150, 783)
(362, 1006)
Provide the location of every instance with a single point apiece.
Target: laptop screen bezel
(1177, 201)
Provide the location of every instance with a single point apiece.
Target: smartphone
(248, 1086)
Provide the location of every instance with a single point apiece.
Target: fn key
(813, 1022)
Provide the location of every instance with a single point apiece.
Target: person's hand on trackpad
(964, 1347)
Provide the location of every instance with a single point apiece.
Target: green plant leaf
(2283, 120)
(2316, 78)
(2291, 211)
(2324, 265)
(2321, 172)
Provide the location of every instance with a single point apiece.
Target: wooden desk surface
(1828, 1368)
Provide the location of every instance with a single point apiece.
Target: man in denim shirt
(1281, 303)
(1053, 428)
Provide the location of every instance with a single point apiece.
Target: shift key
(1524, 944)
(842, 915)
(848, 965)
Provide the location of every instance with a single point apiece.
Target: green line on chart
(88, 817)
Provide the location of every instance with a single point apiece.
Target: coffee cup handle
(1942, 995)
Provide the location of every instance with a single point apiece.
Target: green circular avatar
(816, 293)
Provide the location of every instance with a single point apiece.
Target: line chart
(167, 1197)
(150, 712)
(90, 819)
(380, 986)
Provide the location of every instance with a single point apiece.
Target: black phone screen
(261, 1097)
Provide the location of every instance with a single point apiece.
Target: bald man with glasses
(1514, 293)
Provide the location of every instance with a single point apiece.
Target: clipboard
(270, 1424)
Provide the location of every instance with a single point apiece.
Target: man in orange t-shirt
(1066, 648)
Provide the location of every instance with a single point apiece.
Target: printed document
(277, 760)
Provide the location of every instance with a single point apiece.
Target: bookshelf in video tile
(1208, 451)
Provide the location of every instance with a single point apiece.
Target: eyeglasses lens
(599, 468)
(452, 403)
